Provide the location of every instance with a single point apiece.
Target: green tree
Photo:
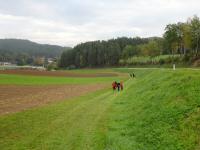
(187, 37)
(67, 58)
(172, 37)
(150, 49)
(195, 29)
(129, 51)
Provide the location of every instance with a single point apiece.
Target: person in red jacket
(114, 85)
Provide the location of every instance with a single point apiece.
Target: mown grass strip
(41, 80)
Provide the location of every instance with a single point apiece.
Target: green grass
(159, 110)
(91, 71)
(41, 80)
(76, 124)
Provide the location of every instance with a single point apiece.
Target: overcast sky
(69, 22)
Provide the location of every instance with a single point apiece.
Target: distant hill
(14, 49)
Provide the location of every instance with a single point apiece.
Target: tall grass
(147, 60)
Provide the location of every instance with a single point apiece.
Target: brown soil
(196, 63)
(56, 73)
(17, 98)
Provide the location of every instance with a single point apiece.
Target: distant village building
(50, 60)
(5, 63)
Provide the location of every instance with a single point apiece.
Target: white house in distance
(5, 63)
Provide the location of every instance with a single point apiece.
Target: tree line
(98, 53)
(181, 38)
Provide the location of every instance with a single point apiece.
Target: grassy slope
(158, 110)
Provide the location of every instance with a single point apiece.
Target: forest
(180, 43)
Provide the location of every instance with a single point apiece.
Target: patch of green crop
(41, 80)
(90, 71)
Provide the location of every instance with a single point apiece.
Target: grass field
(41, 80)
(159, 110)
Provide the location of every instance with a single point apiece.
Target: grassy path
(76, 124)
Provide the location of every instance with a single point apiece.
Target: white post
(174, 67)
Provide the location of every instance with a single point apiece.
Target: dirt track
(56, 73)
(18, 98)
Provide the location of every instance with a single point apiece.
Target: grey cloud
(68, 22)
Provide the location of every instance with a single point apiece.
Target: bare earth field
(17, 98)
(56, 73)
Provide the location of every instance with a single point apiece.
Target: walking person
(114, 85)
(118, 86)
(133, 75)
(121, 86)
(130, 75)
